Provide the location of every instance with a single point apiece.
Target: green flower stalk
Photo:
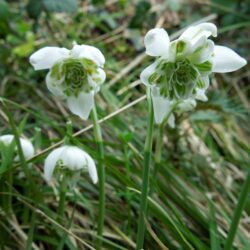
(101, 174)
(145, 174)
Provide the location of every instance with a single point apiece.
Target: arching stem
(101, 175)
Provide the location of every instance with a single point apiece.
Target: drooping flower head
(182, 67)
(75, 75)
(69, 161)
(27, 147)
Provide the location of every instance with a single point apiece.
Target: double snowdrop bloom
(27, 147)
(69, 161)
(74, 75)
(182, 67)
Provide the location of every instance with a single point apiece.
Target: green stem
(237, 213)
(158, 149)
(9, 197)
(128, 194)
(101, 175)
(63, 190)
(18, 143)
(145, 175)
(159, 140)
(64, 235)
(22, 159)
(31, 231)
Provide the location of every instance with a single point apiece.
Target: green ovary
(176, 80)
(74, 73)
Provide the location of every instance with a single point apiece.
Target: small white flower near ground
(74, 75)
(27, 147)
(69, 160)
(182, 67)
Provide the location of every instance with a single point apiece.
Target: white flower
(27, 147)
(182, 67)
(69, 158)
(74, 75)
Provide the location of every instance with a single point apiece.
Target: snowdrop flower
(69, 160)
(27, 147)
(182, 67)
(74, 75)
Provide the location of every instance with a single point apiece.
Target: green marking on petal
(181, 45)
(200, 83)
(55, 71)
(152, 78)
(74, 75)
(204, 68)
(176, 80)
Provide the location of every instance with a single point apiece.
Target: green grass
(204, 160)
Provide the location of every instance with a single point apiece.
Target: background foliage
(205, 158)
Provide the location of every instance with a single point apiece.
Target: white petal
(73, 158)
(96, 80)
(6, 139)
(197, 35)
(27, 146)
(187, 105)
(226, 60)
(157, 42)
(198, 42)
(203, 54)
(200, 95)
(82, 104)
(54, 86)
(89, 52)
(203, 29)
(206, 81)
(189, 33)
(161, 105)
(91, 168)
(171, 121)
(147, 72)
(46, 57)
(209, 29)
(50, 162)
